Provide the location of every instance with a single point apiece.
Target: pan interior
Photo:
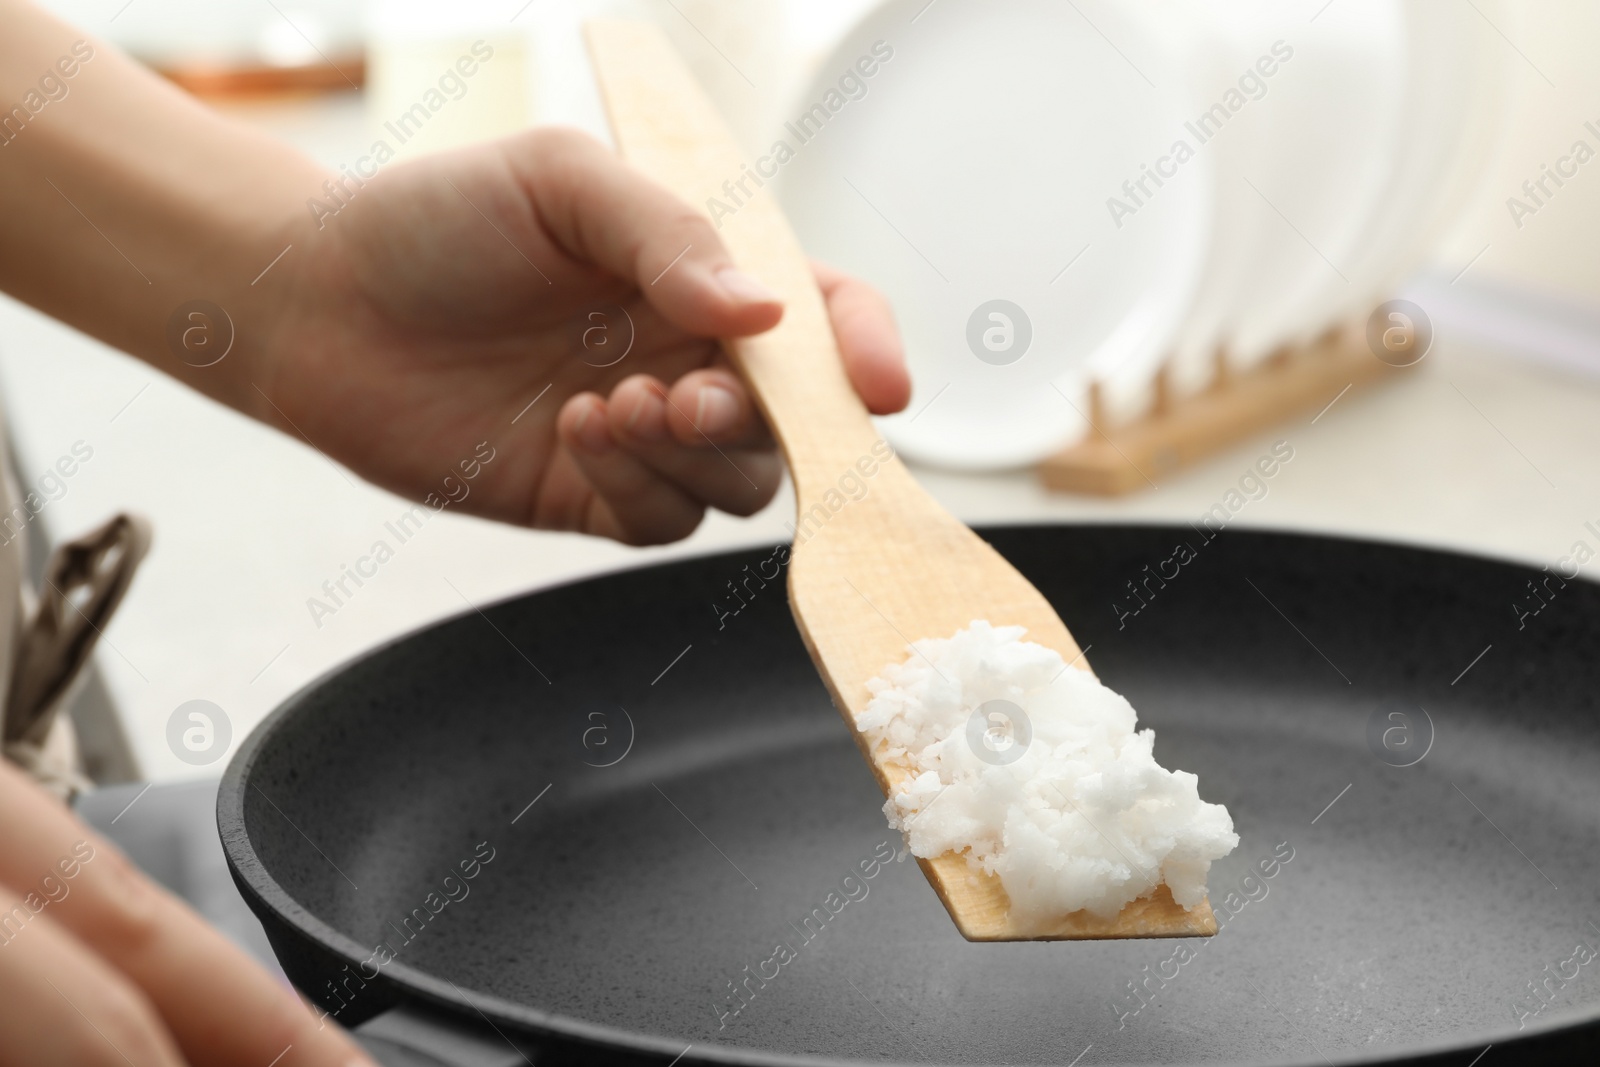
(703, 858)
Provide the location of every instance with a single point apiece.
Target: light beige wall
(1556, 250)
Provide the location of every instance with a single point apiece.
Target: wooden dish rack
(1115, 458)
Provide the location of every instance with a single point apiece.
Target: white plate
(977, 167)
(1334, 129)
(1456, 71)
(1232, 54)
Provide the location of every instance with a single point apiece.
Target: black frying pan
(1419, 919)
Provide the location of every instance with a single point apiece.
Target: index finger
(869, 340)
(221, 1007)
(62, 1004)
(602, 211)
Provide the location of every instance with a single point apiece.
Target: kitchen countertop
(1475, 451)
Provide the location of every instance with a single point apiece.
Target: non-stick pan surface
(695, 800)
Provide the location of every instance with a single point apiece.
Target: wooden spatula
(868, 573)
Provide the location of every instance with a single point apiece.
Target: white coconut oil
(1037, 772)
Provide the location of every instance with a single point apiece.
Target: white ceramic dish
(1456, 71)
(977, 166)
(1439, 131)
(1334, 131)
(1232, 55)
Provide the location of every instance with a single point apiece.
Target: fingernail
(592, 433)
(644, 423)
(715, 410)
(745, 288)
(638, 409)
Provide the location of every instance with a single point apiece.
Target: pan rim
(251, 875)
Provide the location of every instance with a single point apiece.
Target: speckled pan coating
(618, 907)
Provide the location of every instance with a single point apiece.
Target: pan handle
(409, 1035)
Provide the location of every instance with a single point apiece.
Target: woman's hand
(537, 300)
(100, 967)
(406, 325)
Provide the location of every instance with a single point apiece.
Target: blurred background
(1397, 149)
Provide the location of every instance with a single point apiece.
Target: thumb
(604, 212)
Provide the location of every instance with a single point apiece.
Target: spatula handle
(665, 126)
